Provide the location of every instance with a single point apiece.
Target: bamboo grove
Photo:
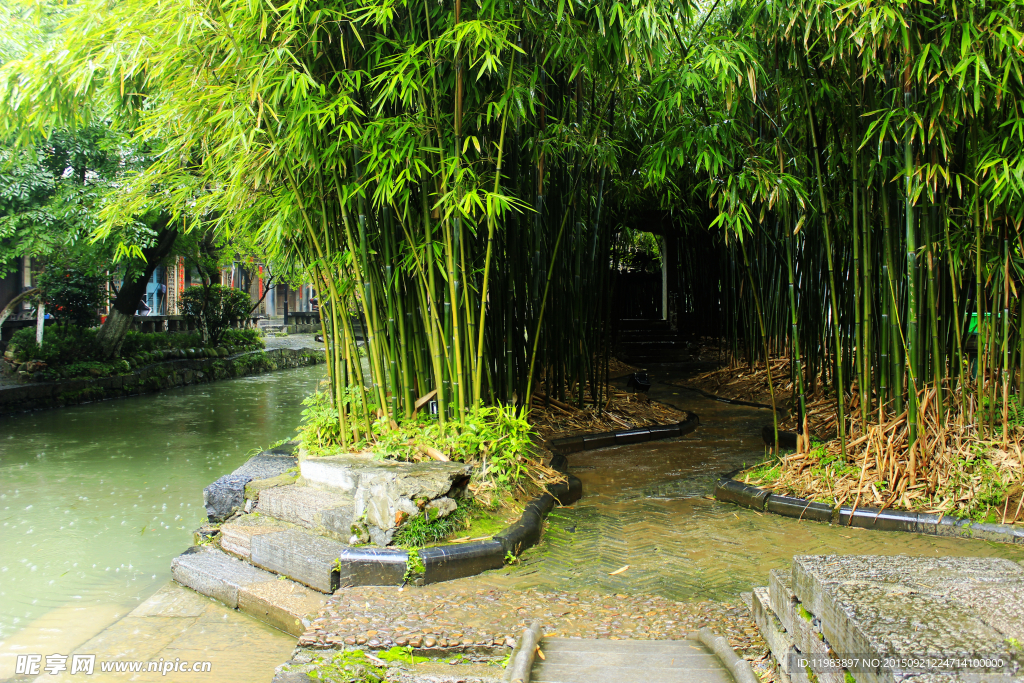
(870, 187)
(842, 181)
(440, 170)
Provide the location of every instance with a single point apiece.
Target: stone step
(283, 604)
(214, 573)
(570, 660)
(306, 557)
(236, 536)
(326, 512)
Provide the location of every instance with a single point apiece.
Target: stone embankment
(288, 531)
(151, 378)
(882, 619)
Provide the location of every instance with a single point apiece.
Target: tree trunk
(122, 312)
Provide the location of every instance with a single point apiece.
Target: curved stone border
(762, 500)
(366, 566)
(588, 442)
(722, 399)
(151, 378)
(737, 666)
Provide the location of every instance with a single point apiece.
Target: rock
(361, 640)
(95, 372)
(440, 507)
(225, 496)
(373, 642)
(429, 641)
(350, 640)
(416, 641)
(381, 537)
(402, 641)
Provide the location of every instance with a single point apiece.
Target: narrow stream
(96, 499)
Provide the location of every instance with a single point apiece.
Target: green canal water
(95, 500)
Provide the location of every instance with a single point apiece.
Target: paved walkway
(178, 624)
(291, 341)
(569, 660)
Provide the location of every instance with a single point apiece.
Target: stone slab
(216, 574)
(305, 557)
(309, 507)
(778, 640)
(781, 596)
(901, 607)
(236, 537)
(253, 488)
(285, 605)
(172, 601)
(266, 465)
(383, 493)
(813, 573)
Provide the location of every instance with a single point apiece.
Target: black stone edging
(722, 399)
(761, 500)
(151, 378)
(366, 566)
(587, 442)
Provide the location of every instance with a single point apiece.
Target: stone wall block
(213, 573)
(305, 557)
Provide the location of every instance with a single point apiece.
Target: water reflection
(96, 499)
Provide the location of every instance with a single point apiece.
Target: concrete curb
(587, 442)
(737, 666)
(762, 500)
(520, 663)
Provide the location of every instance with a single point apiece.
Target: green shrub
(242, 337)
(421, 530)
(61, 345)
(214, 308)
(73, 294)
(144, 342)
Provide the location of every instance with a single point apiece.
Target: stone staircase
(293, 530)
(571, 660)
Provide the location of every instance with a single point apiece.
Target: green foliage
(414, 567)
(356, 666)
(422, 530)
(242, 336)
(62, 345)
(498, 438)
(213, 308)
(73, 292)
(142, 342)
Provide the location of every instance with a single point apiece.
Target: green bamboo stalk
(840, 391)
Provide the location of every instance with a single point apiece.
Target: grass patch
(470, 520)
(422, 531)
(355, 666)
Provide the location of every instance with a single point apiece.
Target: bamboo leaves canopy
(844, 179)
(439, 168)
